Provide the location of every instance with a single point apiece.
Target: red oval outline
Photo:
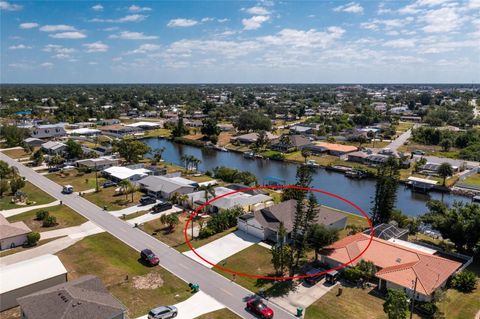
(275, 187)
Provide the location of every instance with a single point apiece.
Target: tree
(16, 183)
(157, 155)
(252, 121)
(3, 186)
(209, 189)
(446, 144)
(171, 220)
(371, 136)
(319, 236)
(210, 127)
(396, 304)
(37, 157)
(132, 150)
(445, 170)
(5, 169)
(125, 185)
(42, 214)
(385, 191)
(465, 281)
(305, 154)
(460, 223)
(13, 135)
(49, 221)
(180, 129)
(33, 238)
(419, 164)
(73, 150)
(55, 160)
(368, 268)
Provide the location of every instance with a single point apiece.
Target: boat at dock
(249, 155)
(356, 173)
(312, 163)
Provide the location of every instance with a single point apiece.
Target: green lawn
(219, 314)
(80, 181)
(353, 219)
(353, 303)
(107, 197)
(253, 260)
(161, 132)
(17, 153)
(34, 195)
(404, 126)
(472, 180)
(112, 261)
(66, 217)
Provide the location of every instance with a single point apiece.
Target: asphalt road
(395, 144)
(220, 288)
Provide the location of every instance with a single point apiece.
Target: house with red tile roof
(398, 266)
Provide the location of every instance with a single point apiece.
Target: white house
(120, 173)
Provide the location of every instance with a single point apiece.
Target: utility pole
(96, 177)
(414, 284)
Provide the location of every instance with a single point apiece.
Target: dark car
(109, 184)
(146, 200)
(149, 257)
(256, 306)
(314, 279)
(54, 169)
(161, 207)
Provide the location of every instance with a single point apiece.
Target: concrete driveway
(195, 306)
(303, 296)
(224, 247)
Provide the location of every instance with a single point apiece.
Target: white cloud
(254, 22)
(387, 24)
(57, 48)
(144, 48)
(98, 46)
(207, 19)
(97, 7)
(351, 7)
(127, 35)
(304, 39)
(256, 10)
(400, 43)
(442, 20)
(419, 5)
(28, 25)
(382, 10)
(4, 5)
(474, 4)
(128, 18)
(68, 35)
(93, 63)
(223, 20)
(57, 27)
(46, 65)
(181, 23)
(135, 8)
(19, 47)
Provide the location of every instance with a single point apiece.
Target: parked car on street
(67, 189)
(149, 257)
(163, 312)
(161, 207)
(147, 200)
(109, 184)
(256, 306)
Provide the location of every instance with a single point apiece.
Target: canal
(357, 191)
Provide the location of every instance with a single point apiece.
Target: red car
(149, 257)
(257, 306)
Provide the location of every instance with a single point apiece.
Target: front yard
(80, 181)
(35, 196)
(219, 314)
(138, 287)
(17, 153)
(106, 197)
(66, 217)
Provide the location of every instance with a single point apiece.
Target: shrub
(465, 281)
(352, 274)
(206, 232)
(42, 214)
(33, 238)
(49, 221)
(427, 308)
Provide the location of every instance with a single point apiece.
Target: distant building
(98, 164)
(165, 187)
(331, 148)
(12, 234)
(120, 131)
(120, 173)
(49, 131)
(53, 148)
(34, 142)
(291, 143)
(85, 297)
(251, 138)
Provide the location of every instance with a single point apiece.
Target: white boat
(249, 155)
(221, 148)
(312, 163)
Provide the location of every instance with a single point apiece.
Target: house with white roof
(120, 173)
(29, 276)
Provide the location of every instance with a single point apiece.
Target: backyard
(35, 196)
(80, 181)
(66, 217)
(138, 287)
(108, 198)
(473, 180)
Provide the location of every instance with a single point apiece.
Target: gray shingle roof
(8, 229)
(85, 297)
(160, 183)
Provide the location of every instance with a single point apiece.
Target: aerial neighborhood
(255, 159)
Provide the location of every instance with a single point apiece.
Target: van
(67, 189)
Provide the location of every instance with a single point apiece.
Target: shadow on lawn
(278, 289)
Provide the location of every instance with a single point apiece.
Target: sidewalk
(16, 211)
(86, 229)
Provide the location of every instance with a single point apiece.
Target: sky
(419, 41)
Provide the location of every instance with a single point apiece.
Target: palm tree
(445, 170)
(125, 185)
(195, 162)
(157, 155)
(171, 220)
(182, 198)
(305, 153)
(132, 189)
(186, 160)
(208, 189)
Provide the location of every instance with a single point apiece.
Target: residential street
(395, 144)
(215, 285)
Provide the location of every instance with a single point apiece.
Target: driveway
(195, 306)
(223, 248)
(303, 296)
(16, 211)
(132, 209)
(151, 216)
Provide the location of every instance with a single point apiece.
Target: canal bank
(359, 191)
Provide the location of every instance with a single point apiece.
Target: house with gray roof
(291, 143)
(165, 187)
(85, 297)
(12, 234)
(53, 147)
(265, 223)
(49, 131)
